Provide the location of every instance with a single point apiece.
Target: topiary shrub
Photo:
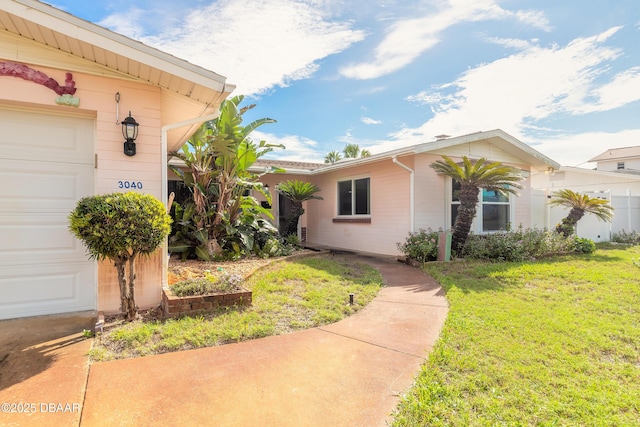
(120, 227)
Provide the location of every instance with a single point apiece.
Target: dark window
(354, 197)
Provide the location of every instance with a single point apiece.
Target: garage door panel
(45, 137)
(28, 240)
(46, 166)
(46, 289)
(37, 186)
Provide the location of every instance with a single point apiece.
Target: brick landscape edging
(173, 305)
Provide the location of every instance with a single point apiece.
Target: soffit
(65, 33)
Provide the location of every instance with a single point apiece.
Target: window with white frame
(353, 197)
(493, 210)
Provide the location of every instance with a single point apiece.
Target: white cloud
(297, 148)
(622, 90)
(408, 39)
(516, 92)
(576, 150)
(256, 45)
(510, 43)
(370, 121)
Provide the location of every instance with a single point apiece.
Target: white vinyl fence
(626, 215)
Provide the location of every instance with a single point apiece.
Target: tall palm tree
(472, 176)
(351, 151)
(297, 192)
(579, 204)
(332, 157)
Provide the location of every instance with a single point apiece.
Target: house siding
(390, 210)
(97, 101)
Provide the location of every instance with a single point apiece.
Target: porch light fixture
(130, 133)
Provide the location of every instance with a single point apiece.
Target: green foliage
(207, 285)
(518, 245)
(120, 224)
(421, 246)
(583, 245)
(220, 221)
(622, 236)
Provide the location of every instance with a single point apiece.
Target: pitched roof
(496, 137)
(618, 154)
(59, 30)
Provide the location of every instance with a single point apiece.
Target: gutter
(164, 176)
(411, 190)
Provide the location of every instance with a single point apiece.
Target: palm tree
(492, 176)
(365, 153)
(351, 151)
(579, 204)
(297, 192)
(332, 157)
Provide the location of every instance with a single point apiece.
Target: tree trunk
(127, 295)
(466, 213)
(568, 225)
(293, 218)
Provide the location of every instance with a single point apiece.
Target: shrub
(421, 246)
(622, 236)
(121, 226)
(203, 286)
(583, 246)
(519, 245)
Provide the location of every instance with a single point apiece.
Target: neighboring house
(370, 204)
(625, 160)
(65, 86)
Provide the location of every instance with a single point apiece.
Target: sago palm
(472, 176)
(579, 204)
(297, 192)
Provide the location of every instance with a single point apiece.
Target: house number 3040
(130, 184)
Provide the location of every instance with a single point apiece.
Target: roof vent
(442, 136)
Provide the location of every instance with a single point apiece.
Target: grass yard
(287, 296)
(548, 343)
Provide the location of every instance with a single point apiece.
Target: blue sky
(561, 76)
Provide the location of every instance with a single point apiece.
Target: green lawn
(287, 296)
(548, 343)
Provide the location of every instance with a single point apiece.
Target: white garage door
(46, 166)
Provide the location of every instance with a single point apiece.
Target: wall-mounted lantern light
(130, 133)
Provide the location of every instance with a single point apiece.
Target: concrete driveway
(44, 369)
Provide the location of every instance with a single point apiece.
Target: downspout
(164, 176)
(411, 189)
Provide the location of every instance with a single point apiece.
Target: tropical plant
(217, 161)
(472, 176)
(297, 192)
(579, 204)
(332, 157)
(120, 227)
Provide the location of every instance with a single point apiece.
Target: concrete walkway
(351, 373)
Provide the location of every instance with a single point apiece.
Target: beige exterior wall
(114, 170)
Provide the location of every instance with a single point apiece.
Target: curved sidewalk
(350, 373)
